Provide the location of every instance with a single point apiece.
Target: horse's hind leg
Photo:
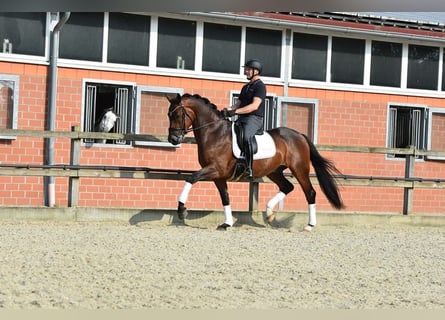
(223, 193)
(302, 176)
(285, 187)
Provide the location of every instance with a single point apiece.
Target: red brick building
(344, 79)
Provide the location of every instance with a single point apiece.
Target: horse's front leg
(206, 173)
(182, 199)
(225, 200)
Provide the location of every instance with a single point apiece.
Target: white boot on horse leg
(312, 218)
(182, 199)
(228, 219)
(270, 214)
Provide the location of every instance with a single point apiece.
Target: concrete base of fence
(212, 218)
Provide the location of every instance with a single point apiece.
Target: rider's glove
(226, 113)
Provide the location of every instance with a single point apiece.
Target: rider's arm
(250, 107)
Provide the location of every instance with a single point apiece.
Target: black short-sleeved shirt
(251, 90)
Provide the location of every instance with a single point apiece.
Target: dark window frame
(176, 47)
(128, 39)
(23, 33)
(268, 53)
(386, 56)
(419, 60)
(87, 38)
(348, 60)
(309, 45)
(217, 56)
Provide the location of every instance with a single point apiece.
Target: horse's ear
(171, 99)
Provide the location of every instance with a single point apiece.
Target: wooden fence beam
(74, 171)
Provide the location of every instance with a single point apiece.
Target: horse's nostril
(173, 140)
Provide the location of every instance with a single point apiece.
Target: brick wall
(345, 118)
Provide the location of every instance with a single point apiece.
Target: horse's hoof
(223, 227)
(182, 213)
(308, 228)
(269, 216)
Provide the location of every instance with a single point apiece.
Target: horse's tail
(324, 170)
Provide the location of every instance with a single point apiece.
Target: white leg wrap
(277, 198)
(228, 215)
(312, 215)
(185, 192)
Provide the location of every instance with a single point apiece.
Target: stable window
(81, 36)
(348, 60)
(309, 57)
(9, 98)
(176, 43)
(386, 63)
(265, 45)
(406, 127)
(100, 97)
(128, 39)
(423, 67)
(221, 48)
(23, 33)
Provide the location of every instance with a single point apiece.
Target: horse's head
(179, 120)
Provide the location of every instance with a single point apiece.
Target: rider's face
(249, 72)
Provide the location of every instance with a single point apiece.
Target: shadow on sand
(197, 218)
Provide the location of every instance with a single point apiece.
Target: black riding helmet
(255, 64)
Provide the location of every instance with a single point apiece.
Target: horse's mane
(203, 99)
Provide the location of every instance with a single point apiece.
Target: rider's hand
(226, 113)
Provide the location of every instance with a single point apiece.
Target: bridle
(183, 130)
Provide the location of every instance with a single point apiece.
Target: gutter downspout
(52, 93)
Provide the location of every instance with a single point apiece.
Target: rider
(250, 109)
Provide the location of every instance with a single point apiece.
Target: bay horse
(213, 135)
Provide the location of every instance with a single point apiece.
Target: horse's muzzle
(175, 139)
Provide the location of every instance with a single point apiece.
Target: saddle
(263, 144)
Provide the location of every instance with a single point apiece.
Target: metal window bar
(121, 108)
(90, 111)
(392, 126)
(416, 129)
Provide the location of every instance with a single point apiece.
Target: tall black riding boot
(248, 149)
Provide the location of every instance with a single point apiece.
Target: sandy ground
(113, 265)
